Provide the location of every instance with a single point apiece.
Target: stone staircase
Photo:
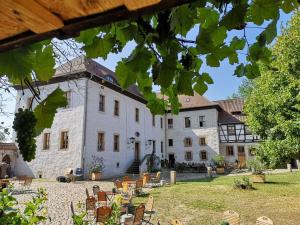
(134, 168)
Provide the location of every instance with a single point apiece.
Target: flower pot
(258, 178)
(220, 170)
(95, 176)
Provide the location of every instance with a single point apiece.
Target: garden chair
(149, 210)
(126, 178)
(263, 220)
(125, 187)
(156, 178)
(139, 215)
(232, 217)
(176, 222)
(103, 213)
(126, 200)
(118, 185)
(139, 186)
(146, 179)
(102, 198)
(96, 189)
(27, 183)
(90, 205)
(87, 193)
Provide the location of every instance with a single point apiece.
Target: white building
(103, 120)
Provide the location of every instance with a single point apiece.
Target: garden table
(126, 219)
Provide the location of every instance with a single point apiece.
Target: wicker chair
(96, 189)
(139, 186)
(149, 210)
(103, 213)
(232, 217)
(263, 220)
(90, 205)
(118, 185)
(176, 222)
(146, 179)
(102, 198)
(139, 215)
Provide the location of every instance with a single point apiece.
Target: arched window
(6, 159)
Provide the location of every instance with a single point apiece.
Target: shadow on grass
(277, 182)
(204, 179)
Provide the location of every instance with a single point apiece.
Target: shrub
(242, 183)
(97, 165)
(255, 166)
(219, 160)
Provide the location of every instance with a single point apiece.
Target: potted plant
(219, 161)
(256, 168)
(96, 167)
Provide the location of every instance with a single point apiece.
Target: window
(229, 150)
(203, 155)
(187, 122)
(153, 120)
(116, 143)
(170, 123)
(202, 141)
(247, 130)
(68, 97)
(161, 147)
(101, 141)
(202, 121)
(116, 108)
(137, 115)
(46, 141)
(187, 142)
(154, 146)
(29, 102)
(161, 123)
(231, 130)
(170, 142)
(188, 156)
(241, 150)
(64, 140)
(102, 103)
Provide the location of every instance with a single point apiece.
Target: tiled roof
(8, 146)
(232, 111)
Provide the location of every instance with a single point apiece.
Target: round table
(126, 218)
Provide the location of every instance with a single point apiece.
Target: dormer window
(187, 99)
(237, 113)
(110, 79)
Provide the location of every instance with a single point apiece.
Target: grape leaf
(44, 63)
(182, 19)
(289, 5)
(235, 17)
(212, 60)
(270, 32)
(185, 83)
(261, 10)
(257, 52)
(46, 110)
(100, 47)
(167, 71)
(87, 36)
(208, 18)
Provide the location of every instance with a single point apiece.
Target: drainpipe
(84, 127)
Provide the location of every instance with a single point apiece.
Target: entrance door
(171, 161)
(137, 151)
(241, 156)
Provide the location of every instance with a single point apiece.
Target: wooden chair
(149, 210)
(96, 189)
(102, 198)
(263, 220)
(176, 222)
(139, 186)
(146, 179)
(139, 215)
(87, 193)
(232, 217)
(90, 205)
(156, 179)
(27, 183)
(103, 213)
(118, 185)
(126, 178)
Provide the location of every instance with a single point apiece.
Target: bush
(97, 165)
(242, 183)
(255, 166)
(219, 160)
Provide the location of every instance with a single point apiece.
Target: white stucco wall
(232, 158)
(124, 125)
(179, 132)
(54, 161)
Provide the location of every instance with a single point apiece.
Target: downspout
(84, 126)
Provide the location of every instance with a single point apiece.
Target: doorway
(241, 157)
(171, 161)
(137, 151)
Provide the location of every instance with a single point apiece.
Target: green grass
(197, 202)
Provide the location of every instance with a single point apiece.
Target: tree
(244, 89)
(163, 54)
(273, 106)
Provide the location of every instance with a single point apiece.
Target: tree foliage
(273, 105)
(163, 55)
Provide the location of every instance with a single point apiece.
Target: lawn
(201, 202)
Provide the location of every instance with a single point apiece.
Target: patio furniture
(102, 198)
(139, 215)
(146, 179)
(176, 222)
(149, 210)
(263, 220)
(126, 178)
(118, 185)
(126, 219)
(156, 178)
(78, 175)
(126, 200)
(103, 213)
(232, 217)
(90, 205)
(139, 186)
(27, 183)
(69, 175)
(96, 189)
(87, 193)
(125, 188)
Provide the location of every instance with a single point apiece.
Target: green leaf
(100, 47)
(167, 71)
(44, 63)
(240, 70)
(46, 110)
(182, 19)
(257, 52)
(261, 10)
(87, 36)
(218, 36)
(289, 5)
(270, 32)
(252, 71)
(185, 83)
(125, 33)
(207, 78)
(237, 44)
(208, 18)
(235, 17)
(200, 87)
(212, 60)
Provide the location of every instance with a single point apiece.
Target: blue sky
(225, 84)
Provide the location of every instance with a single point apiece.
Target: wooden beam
(137, 4)
(32, 15)
(73, 27)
